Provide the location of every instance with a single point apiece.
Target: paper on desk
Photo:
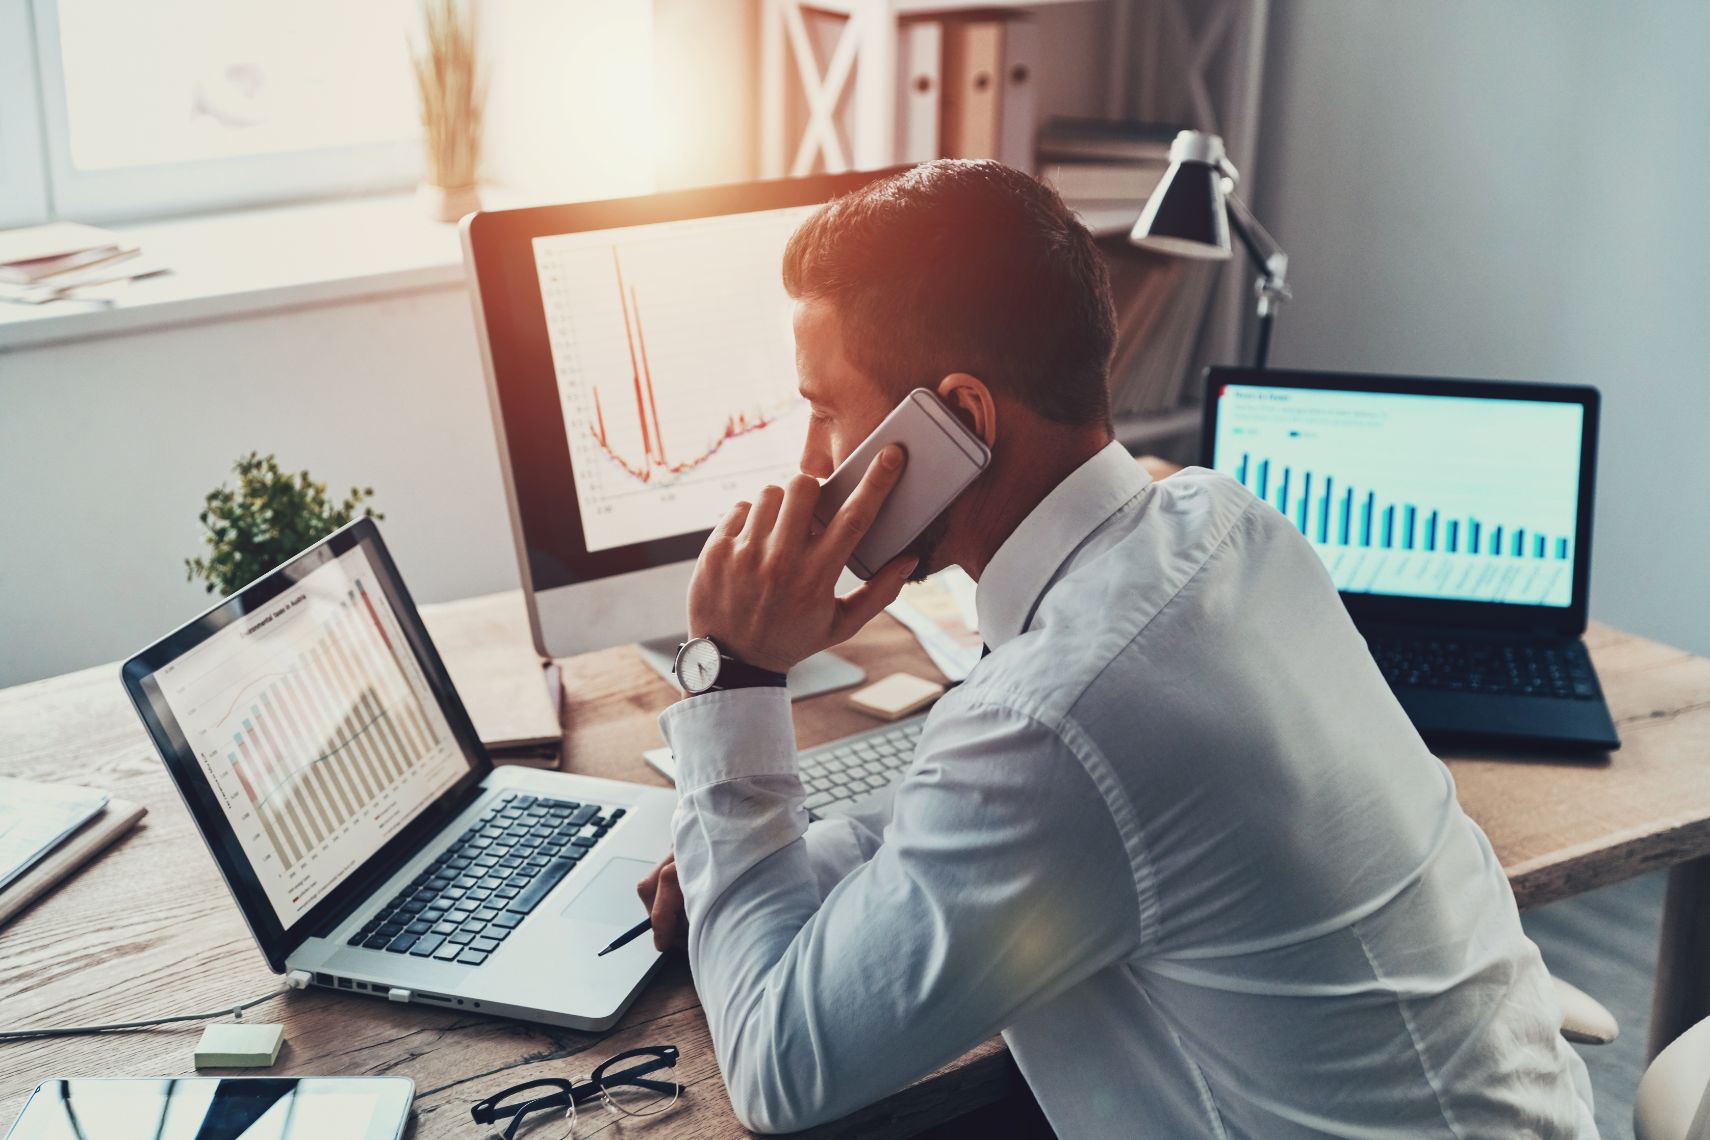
(939, 612)
(36, 818)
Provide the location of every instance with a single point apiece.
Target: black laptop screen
(1410, 495)
(313, 725)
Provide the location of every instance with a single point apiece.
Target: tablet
(218, 1108)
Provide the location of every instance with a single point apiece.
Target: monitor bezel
(276, 940)
(534, 453)
(1566, 621)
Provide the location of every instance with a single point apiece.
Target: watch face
(697, 665)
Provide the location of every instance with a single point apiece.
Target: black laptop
(1455, 518)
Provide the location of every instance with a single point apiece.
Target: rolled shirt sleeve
(835, 967)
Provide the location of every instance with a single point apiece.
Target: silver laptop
(370, 843)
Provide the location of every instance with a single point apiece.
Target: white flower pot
(448, 203)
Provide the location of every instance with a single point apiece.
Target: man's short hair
(964, 266)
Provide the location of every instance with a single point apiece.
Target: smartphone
(943, 457)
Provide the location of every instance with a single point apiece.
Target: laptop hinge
(363, 892)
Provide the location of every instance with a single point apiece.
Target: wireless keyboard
(842, 771)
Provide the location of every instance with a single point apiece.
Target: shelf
(907, 8)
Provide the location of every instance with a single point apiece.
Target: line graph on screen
(675, 367)
(655, 464)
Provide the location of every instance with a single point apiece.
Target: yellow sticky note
(896, 696)
(239, 1046)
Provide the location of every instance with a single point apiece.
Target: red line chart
(654, 462)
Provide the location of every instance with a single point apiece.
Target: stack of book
(1095, 161)
(1161, 307)
(60, 256)
(1111, 169)
(47, 831)
(513, 695)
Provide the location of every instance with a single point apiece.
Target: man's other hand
(765, 586)
(663, 899)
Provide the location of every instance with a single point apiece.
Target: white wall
(108, 447)
(1516, 191)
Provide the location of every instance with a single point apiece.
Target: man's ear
(971, 401)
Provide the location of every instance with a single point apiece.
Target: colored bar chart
(316, 728)
(319, 742)
(1425, 490)
(1376, 522)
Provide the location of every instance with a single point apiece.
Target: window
(23, 182)
(178, 105)
(118, 110)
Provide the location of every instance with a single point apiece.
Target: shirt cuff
(730, 735)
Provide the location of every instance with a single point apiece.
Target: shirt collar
(1029, 559)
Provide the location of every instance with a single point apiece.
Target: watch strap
(734, 673)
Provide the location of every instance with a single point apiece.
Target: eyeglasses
(625, 1090)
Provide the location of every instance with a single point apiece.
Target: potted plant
(453, 97)
(268, 518)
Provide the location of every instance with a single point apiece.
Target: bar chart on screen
(675, 366)
(313, 730)
(1422, 496)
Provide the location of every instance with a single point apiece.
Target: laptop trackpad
(609, 897)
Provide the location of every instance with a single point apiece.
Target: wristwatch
(703, 666)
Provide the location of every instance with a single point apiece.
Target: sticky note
(896, 696)
(239, 1046)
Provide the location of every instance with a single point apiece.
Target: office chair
(1674, 1094)
(1584, 1020)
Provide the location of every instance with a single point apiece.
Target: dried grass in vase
(453, 96)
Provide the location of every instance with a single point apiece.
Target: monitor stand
(821, 673)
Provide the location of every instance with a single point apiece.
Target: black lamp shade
(1186, 216)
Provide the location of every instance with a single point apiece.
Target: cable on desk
(119, 1027)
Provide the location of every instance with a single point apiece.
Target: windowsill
(238, 264)
(245, 262)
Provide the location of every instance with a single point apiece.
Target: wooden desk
(148, 928)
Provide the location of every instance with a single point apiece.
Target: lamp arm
(1261, 247)
(1272, 286)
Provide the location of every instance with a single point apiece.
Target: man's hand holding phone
(765, 585)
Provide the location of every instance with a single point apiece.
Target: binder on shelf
(973, 88)
(920, 81)
(1019, 108)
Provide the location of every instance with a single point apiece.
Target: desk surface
(148, 929)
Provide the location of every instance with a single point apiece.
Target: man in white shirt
(1173, 838)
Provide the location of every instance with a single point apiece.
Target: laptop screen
(1415, 495)
(315, 728)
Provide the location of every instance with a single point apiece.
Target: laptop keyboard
(1523, 670)
(846, 770)
(488, 879)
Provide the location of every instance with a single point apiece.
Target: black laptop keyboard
(488, 879)
(1527, 670)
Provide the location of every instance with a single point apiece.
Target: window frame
(138, 192)
(23, 173)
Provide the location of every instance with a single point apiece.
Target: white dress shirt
(1174, 838)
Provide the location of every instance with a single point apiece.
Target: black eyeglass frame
(569, 1093)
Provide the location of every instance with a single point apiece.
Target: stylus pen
(628, 936)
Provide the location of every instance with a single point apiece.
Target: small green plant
(269, 517)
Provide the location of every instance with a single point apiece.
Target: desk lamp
(1191, 213)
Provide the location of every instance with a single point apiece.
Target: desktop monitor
(641, 368)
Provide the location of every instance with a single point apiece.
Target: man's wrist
(707, 665)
